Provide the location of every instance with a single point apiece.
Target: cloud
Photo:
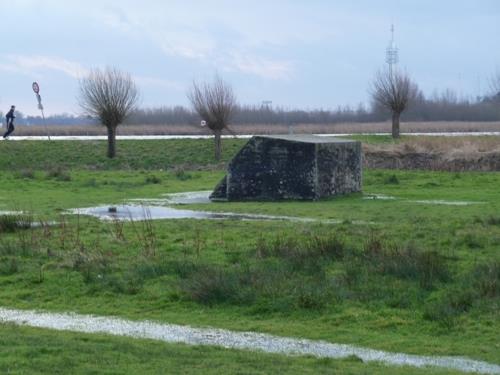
(11, 68)
(32, 64)
(262, 67)
(206, 37)
(158, 82)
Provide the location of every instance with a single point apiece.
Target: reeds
(184, 129)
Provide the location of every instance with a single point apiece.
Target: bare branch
(394, 91)
(111, 96)
(215, 103)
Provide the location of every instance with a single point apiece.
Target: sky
(298, 54)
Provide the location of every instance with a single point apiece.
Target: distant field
(378, 127)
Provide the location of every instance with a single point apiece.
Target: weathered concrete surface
(292, 167)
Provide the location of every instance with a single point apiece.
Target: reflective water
(422, 201)
(190, 197)
(379, 197)
(446, 203)
(140, 212)
(161, 208)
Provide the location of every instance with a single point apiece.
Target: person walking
(10, 121)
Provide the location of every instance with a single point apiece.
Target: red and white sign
(36, 88)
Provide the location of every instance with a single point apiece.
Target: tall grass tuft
(58, 173)
(407, 262)
(481, 284)
(8, 266)
(10, 223)
(213, 284)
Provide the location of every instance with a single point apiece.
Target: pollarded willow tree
(215, 103)
(393, 90)
(109, 95)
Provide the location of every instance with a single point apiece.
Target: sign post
(36, 90)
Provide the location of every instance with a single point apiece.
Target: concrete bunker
(303, 167)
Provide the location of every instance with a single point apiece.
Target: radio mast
(392, 53)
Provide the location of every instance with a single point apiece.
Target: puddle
(422, 201)
(378, 197)
(137, 213)
(191, 197)
(446, 203)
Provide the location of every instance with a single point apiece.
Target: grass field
(35, 351)
(412, 273)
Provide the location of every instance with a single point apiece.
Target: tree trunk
(217, 144)
(111, 141)
(395, 124)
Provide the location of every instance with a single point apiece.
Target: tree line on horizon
(111, 97)
(444, 106)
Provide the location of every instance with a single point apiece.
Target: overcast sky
(307, 53)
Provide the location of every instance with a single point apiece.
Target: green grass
(130, 155)
(35, 351)
(418, 278)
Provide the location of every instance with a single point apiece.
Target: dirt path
(232, 340)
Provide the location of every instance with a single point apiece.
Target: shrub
(152, 179)
(486, 279)
(212, 284)
(182, 175)
(314, 293)
(331, 247)
(27, 173)
(8, 266)
(447, 305)
(91, 182)
(472, 241)
(302, 254)
(8, 223)
(91, 264)
(407, 262)
(391, 180)
(280, 275)
(58, 173)
(12, 222)
(127, 283)
(493, 220)
(374, 246)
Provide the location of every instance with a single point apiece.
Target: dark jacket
(10, 116)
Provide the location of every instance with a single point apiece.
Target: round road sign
(36, 88)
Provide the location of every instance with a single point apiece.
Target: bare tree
(215, 103)
(394, 91)
(495, 84)
(109, 95)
